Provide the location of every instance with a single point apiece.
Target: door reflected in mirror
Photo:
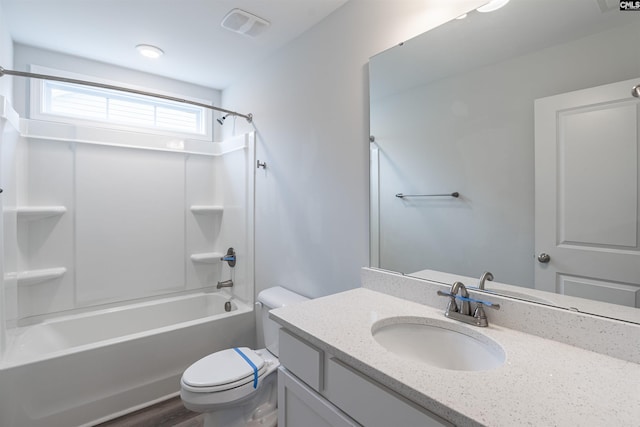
(528, 114)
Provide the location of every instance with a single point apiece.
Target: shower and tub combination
(86, 368)
(114, 245)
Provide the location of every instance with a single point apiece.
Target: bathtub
(83, 369)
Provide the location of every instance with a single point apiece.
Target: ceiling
(197, 49)
(489, 38)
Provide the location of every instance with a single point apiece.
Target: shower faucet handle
(230, 257)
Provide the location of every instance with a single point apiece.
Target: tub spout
(225, 284)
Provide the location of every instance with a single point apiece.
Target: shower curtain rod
(248, 117)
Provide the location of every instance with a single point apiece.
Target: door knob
(544, 258)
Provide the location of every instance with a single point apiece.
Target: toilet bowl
(237, 387)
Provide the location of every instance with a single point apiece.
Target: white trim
(52, 131)
(36, 90)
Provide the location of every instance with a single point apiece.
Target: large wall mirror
(527, 114)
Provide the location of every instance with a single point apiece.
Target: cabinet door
(372, 404)
(300, 406)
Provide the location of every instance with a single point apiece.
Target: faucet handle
(486, 304)
(452, 306)
(229, 257)
(480, 316)
(468, 299)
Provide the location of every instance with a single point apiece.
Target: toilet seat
(227, 393)
(233, 398)
(224, 370)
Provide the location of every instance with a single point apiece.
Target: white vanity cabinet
(299, 405)
(300, 380)
(316, 389)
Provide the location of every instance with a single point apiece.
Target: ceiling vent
(245, 23)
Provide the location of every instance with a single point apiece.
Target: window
(96, 106)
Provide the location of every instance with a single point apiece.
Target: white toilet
(237, 387)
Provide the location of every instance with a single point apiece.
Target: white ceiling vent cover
(240, 21)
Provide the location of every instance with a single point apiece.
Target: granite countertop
(542, 382)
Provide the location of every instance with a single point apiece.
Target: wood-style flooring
(170, 413)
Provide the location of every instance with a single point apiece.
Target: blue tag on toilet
(255, 368)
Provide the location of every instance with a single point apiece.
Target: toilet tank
(271, 298)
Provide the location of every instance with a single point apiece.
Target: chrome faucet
(485, 276)
(465, 308)
(463, 313)
(225, 284)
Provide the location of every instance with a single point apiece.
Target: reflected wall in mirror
(527, 112)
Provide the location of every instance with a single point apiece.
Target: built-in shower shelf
(208, 257)
(206, 209)
(32, 277)
(39, 212)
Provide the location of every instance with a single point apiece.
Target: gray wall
(311, 107)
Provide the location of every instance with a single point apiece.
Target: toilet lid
(224, 367)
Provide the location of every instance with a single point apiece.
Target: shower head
(222, 119)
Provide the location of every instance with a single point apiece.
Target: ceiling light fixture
(492, 5)
(149, 51)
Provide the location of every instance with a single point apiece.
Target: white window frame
(37, 107)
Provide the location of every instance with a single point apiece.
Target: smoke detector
(240, 21)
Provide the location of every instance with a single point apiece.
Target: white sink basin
(438, 343)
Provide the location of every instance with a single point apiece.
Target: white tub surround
(542, 382)
(162, 208)
(112, 242)
(9, 141)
